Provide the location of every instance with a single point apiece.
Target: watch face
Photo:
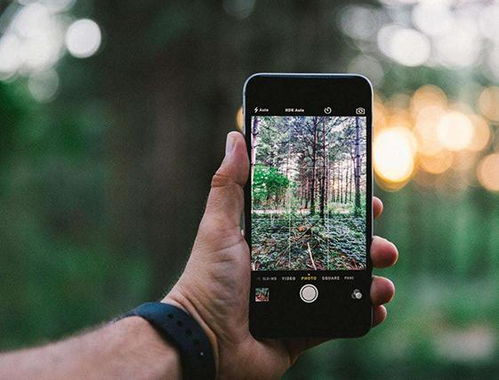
(308, 204)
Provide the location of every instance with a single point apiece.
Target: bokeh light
(488, 103)
(455, 131)
(426, 126)
(32, 41)
(432, 17)
(488, 172)
(427, 96)
(405, 46)
(358, 21)
(460, 45)
(487, 21)
(437, 163)
(481, 135)
(393, 152)
(399, 117)
(43, 85)
(449, 34)
(379, 114)
(10, 58)
(83, 38)
(52, 5)
(431, 138)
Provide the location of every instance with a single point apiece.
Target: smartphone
(308, 213)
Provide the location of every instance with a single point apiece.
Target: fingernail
(229, 144)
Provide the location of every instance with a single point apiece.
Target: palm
(223, 303)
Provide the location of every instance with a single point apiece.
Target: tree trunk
(335, 182)
(314, 163)
(350, 185)
(328, 183)
(357, 166)
(307, 188)
(340, 190)
(323, 172)
(322, 196)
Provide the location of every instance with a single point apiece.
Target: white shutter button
(309, 293)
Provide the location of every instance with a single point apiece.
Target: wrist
(175, 298)
(158, 356)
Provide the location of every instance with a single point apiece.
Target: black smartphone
(308, 214)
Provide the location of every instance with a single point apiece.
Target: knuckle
(221, 180)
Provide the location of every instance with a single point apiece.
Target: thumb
(226, 200)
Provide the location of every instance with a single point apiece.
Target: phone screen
(308, 219)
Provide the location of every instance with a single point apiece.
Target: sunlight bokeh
(455, 131)
(394, 150)
(437, 163)
(488, 103)
(448, 135)
(488, 172)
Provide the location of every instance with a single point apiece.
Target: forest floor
(303, 242)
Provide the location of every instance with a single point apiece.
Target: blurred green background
(113, 116)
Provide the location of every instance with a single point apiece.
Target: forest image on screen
(308, 193)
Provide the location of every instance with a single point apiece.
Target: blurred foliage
(102, 188)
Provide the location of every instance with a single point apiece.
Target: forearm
(129, 348)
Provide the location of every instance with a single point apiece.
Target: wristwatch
(183, 332)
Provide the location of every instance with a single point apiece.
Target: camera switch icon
(356, 294)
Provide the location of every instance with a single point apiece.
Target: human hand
(214, 287)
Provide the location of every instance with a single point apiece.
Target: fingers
(226, 200)
(383, 253)
(379, 314)
(377, 207)
(382, 290)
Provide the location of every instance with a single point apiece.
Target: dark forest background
(103, 186)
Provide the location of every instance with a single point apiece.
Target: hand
(214, 287)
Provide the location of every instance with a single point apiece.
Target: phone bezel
(275, 93)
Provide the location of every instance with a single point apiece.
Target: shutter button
(309, 293)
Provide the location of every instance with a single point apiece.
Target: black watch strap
(182, 331)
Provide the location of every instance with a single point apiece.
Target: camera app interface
(308, 196)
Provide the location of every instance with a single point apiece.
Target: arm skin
(127, 349)
(213, 289)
